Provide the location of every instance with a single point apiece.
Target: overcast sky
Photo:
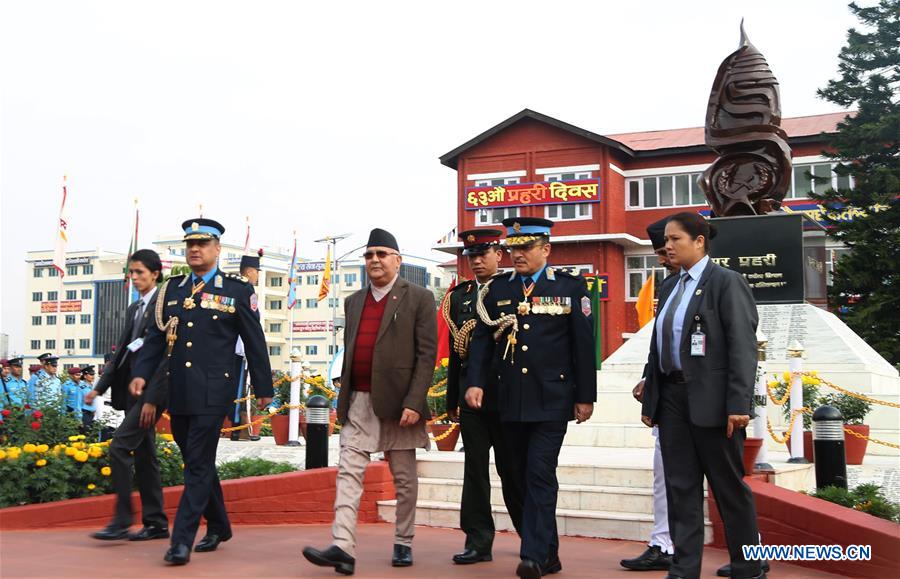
(329, 117)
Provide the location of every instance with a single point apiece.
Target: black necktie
(136, 322)
(667, 364)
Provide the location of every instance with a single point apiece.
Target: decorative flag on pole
(62, 239)
(443, 330)
(644, 305)
(325, 286)
(247, 238)
(292, 279)
(597, 321)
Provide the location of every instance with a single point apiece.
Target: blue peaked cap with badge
(202, 228)
(522, 231)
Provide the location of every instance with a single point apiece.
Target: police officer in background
(481, 428)
(71, 390)
(249, 269)
(537, 320)
(199, 317)
(44, 386)
(15, 388)
(659, 553)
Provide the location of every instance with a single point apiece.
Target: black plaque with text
(782, 256)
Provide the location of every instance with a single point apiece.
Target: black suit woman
(701, 373)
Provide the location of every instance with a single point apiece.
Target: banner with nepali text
(542, 193)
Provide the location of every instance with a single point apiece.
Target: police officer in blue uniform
(481, 429)
(71, 390)
(44, 386)
(15, 388)
(537, 320)
(199, 317)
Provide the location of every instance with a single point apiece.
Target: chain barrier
(805, 410)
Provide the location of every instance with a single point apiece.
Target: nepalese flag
(292, 279)
(325, 287)
(62, 239)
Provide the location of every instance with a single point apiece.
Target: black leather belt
(674, 377)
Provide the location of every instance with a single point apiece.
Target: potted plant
(445, 432)
(810, 399)
(854, 411)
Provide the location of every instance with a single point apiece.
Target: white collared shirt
(379, 292)
(690, 284)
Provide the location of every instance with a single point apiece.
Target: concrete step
(569, 522)
(591, 498)
(452, 467)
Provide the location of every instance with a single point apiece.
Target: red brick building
(608, 189)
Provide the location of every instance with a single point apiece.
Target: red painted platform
(274, 551)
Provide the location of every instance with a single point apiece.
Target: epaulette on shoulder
(565, 273)
(237, 277)
(462, 284)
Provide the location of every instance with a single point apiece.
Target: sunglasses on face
(380, 253)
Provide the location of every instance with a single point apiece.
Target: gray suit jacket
(721, 382)
(405, 351)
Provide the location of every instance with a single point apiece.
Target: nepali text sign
(602, 279)
(313, 326)
(839, 212)
(543, 193)
(64, 306)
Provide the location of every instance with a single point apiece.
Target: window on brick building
(568, 211)
(680, 190)
(496, 216)
(637, 269)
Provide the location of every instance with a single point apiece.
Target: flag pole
(59, 259)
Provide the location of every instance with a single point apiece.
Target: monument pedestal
(831, 349)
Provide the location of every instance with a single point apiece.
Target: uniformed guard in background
(199, 317)
(71, 390)
(15, 388)
(481, 428)
(249, 269)
(537, 320)
(44, 386)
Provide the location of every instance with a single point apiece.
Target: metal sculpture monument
(743, 125)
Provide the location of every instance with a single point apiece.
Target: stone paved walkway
(274, 552)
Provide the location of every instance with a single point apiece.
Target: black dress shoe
(470, 556)
(653, 559)
(211, 541)
(725, 570)
(178, 554)
(402, 556)
(111, 533)
(670, 576)
(149, 533)
(333, 556)
(551, 565)
(528, 569)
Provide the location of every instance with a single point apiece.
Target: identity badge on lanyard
(698, 341)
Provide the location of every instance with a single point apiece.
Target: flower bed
(35, 470)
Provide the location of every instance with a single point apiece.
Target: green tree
(866, 289)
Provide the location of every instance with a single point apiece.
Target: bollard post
(795, 365)
(759, 405)
(294, 412)
(317, 410)
(828, 446)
